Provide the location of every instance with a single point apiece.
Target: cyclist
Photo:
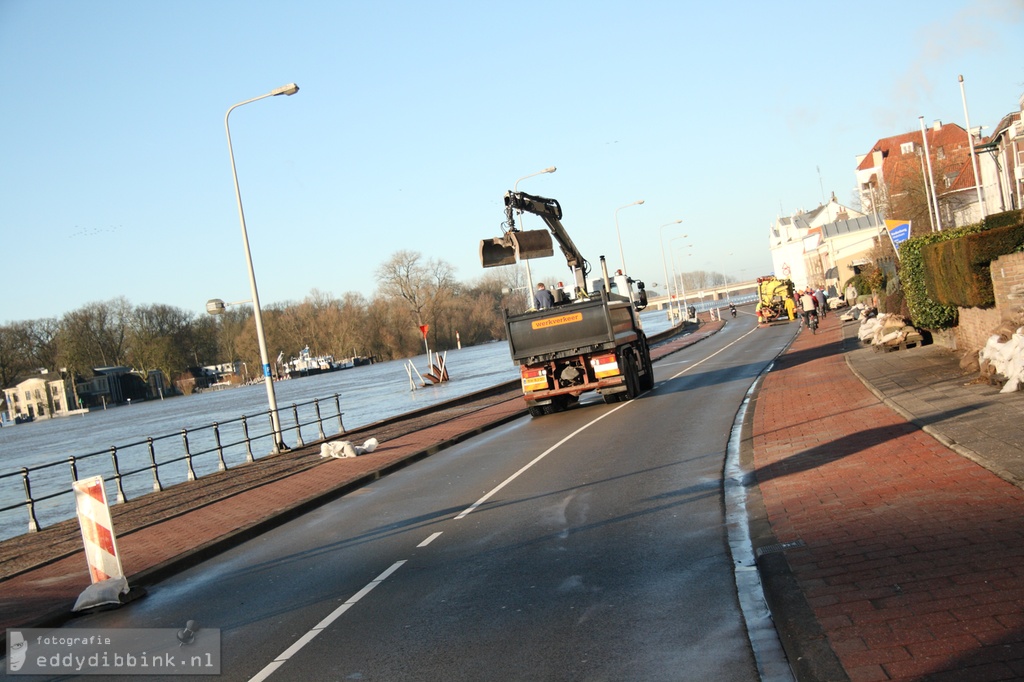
(808, 306)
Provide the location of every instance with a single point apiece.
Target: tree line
(411, 291)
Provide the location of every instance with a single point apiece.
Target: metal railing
(145, 466)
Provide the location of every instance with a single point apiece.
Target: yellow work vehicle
(772, 294)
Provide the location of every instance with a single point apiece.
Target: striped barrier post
(97, 529)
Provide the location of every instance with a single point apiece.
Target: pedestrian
(851, 295)
(790, 308)
(543, 298)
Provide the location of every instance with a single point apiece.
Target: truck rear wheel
(647, 380)
(632, 375)
(535, 410)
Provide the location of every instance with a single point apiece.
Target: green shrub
(950, 272)
(957, 272)
(925, 312)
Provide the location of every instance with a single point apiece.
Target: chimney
(937, 126)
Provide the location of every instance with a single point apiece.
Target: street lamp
(275, 419)
(529, 275)
(618, 234)
(725, 278)
(664, 268)
(974, 159)
(674, 275)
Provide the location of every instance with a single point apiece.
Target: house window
(907, 148)
(940, 153)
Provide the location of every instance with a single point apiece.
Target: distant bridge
(708, 295)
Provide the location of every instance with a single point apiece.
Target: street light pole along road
(268, 378)
(529, 275)
(664, 267)
(622, 257)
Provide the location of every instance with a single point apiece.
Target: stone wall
(976, 324)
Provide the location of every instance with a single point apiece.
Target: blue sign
(899, 231)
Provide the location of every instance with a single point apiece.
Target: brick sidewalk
(912, 554)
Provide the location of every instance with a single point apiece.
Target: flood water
(365, 395)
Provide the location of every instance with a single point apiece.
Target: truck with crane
(591, 339)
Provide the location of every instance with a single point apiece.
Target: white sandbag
(341, 449)
(102, 593)
(338, 449)
(1007, 358)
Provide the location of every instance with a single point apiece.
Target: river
(366, 395)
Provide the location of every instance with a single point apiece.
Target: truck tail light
(605, 365)
(534, 379)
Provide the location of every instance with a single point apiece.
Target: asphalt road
(586, 545)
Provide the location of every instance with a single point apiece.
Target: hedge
(957, 272)
(952, 267)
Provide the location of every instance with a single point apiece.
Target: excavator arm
(524, 245)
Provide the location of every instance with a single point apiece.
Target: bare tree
(425, 288)
(95, 335)
(159, 339)
(15, 352)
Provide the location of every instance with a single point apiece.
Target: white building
(795, 242)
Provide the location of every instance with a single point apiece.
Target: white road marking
(322, 625)
(720, 350)
(429, 540)
(469, 510)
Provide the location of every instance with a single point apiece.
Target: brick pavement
(911, 556)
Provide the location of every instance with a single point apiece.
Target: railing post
(33, 524)
(337, 406)
(188, 456)
(74, 468)
(152, 466)
(319, 419)
(298, 426)
(273, 432)
(221, 464)
(117, 475)
(248, 441)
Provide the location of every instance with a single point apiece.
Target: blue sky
(414, 118)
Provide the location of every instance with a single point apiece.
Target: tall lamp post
(974, 159)
(618, 234)
(725, 278)
(680, 276)
(664, 267)
(275, 418)
(529, 275)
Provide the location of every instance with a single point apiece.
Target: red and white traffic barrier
(97, 529)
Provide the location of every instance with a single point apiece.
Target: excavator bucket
(515, 246)
(495, 252)
(533, 244)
